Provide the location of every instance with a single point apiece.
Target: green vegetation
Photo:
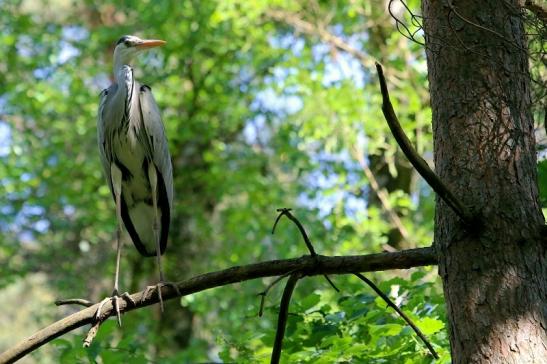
(259, 114)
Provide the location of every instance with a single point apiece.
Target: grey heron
(136, 161)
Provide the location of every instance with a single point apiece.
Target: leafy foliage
(258, 116)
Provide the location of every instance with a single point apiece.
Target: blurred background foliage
(266, 104)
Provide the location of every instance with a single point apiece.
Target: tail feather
(139, 220)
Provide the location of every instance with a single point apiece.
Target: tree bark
(495, 275)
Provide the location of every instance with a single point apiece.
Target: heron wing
(156, 139)
(144, 117)
(102, 124)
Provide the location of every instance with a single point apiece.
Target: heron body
(134, 139)
(135, 159)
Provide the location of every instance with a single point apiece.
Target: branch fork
(294, 276)
(470, 219)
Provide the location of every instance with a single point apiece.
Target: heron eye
(127, 43)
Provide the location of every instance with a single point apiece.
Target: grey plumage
(136, 161)
(131, 135)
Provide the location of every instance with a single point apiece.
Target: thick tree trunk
(495, 279)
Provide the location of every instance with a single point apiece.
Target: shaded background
(266, 104)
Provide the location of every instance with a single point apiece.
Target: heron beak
(150, 43)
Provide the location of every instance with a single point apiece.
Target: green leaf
(430, 325)
(309, 301)
(385, 330)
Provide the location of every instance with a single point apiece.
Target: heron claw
(158, 288)
(115, 298)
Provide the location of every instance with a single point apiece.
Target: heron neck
(120, 71)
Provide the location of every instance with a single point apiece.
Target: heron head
(129, 46)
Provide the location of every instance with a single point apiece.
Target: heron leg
(116, 175)
(117, 187)
(153, 178)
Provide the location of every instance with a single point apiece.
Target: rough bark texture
(495, 279)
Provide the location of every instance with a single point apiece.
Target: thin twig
(93, 330)
(282, 318)
(287, 212)
(264, 293)
(418, 162)
(382, 196)
(338, 43)
(400, 312)
(282, 212)
(315, 30)
(414, 20)
(331, 283)
(75, 301)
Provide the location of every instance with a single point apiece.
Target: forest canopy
(266, 104)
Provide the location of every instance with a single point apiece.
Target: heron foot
(158, 288)
(115, 298)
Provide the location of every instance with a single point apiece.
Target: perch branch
(306, 265)
(418, 162)
(400, 312)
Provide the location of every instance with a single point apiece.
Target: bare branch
(418, 162)
(75, 301)
(327, 37)
(264, 293)
(309, 245)
(92, 333)
(400, 312)
(282, 317)
(306, 266)
(287, 212)
(404, 30)
(382, 196)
